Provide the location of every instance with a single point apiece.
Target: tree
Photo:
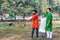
(25, 6)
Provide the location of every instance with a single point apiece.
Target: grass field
(20, 32)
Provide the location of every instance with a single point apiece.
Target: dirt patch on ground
(56, 36)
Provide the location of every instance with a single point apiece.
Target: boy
(42, 24)
(35, 24)
(49, 23)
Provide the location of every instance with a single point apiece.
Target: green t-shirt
(49, 18)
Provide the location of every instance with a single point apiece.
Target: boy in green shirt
(49, 23)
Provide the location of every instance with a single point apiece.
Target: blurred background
(19, 9)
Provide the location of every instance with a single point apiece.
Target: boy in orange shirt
(35, 24)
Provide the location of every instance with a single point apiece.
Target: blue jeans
(33, 32)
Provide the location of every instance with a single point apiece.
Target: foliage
(25, 6)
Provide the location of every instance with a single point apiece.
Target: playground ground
(20, 32)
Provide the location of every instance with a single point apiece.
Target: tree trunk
(59, 12)
(23, 16)
(24, 19)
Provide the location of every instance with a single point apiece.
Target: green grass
(23, 32)
(6, 30)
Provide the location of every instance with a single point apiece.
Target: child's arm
(48, 22)
(28, 18)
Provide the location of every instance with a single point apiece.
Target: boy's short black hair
(49, 9)
(35, 11)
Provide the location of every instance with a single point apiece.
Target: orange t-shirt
(34, 19)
